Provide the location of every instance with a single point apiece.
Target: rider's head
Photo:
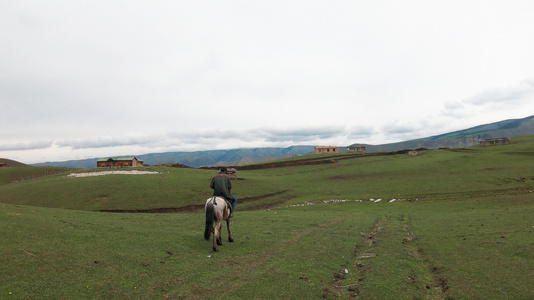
(224, 170)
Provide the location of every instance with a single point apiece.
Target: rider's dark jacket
(221, 185)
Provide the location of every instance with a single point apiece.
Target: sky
(84, 79)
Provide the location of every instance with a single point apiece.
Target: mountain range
(237, 157)
(464, 138)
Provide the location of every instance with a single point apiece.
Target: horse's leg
(230, 239)
(216, 234)
(210, 213)
(219, 230)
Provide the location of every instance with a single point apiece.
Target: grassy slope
(470, 238)
(12, 163)
(431, 174)
(173, 187)
(459, 248)
(18, 172)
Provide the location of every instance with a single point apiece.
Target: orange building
(325, 149)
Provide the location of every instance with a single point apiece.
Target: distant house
(325, 149)
(119, 162)
(104, 163)
(3, 165)
(497, 141)
(354, 149)
(232, 172)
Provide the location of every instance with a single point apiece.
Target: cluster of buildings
(497, 141)
(335, 149)
(361, 148)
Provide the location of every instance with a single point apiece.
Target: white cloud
(109, 141)
(25, 145)
(520, 94)
(135, 77)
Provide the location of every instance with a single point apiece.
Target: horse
(216, 210)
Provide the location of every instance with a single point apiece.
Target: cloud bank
(83, 80)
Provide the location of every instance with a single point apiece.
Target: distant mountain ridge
(463, 138)
(237, 157)
(224, 157)
(197, 159)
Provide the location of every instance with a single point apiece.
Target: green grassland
(20, 172)
(453, 224)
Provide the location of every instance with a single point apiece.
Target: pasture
(452, 224)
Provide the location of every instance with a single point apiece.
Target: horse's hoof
(215, 249)
(231, 240)
(219, 243)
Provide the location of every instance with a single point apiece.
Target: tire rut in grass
(424, 277)
(362, 253)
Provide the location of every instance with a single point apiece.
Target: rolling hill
(11, 163)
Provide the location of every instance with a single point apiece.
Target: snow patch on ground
(333, 201)
(102, 173)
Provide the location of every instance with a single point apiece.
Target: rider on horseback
(221, 185)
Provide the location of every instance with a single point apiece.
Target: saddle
(228, 203)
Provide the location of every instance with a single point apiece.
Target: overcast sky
(84, 79)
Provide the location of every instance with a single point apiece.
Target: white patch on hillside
(332, 201)
(102, 173)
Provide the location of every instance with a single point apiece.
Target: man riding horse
(222, 185)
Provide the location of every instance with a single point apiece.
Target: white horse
(216, 211)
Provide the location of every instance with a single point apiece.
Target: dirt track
(318, 160)
(192, 208)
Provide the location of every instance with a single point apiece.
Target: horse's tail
(210, 214)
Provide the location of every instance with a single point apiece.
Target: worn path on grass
(390, 264)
